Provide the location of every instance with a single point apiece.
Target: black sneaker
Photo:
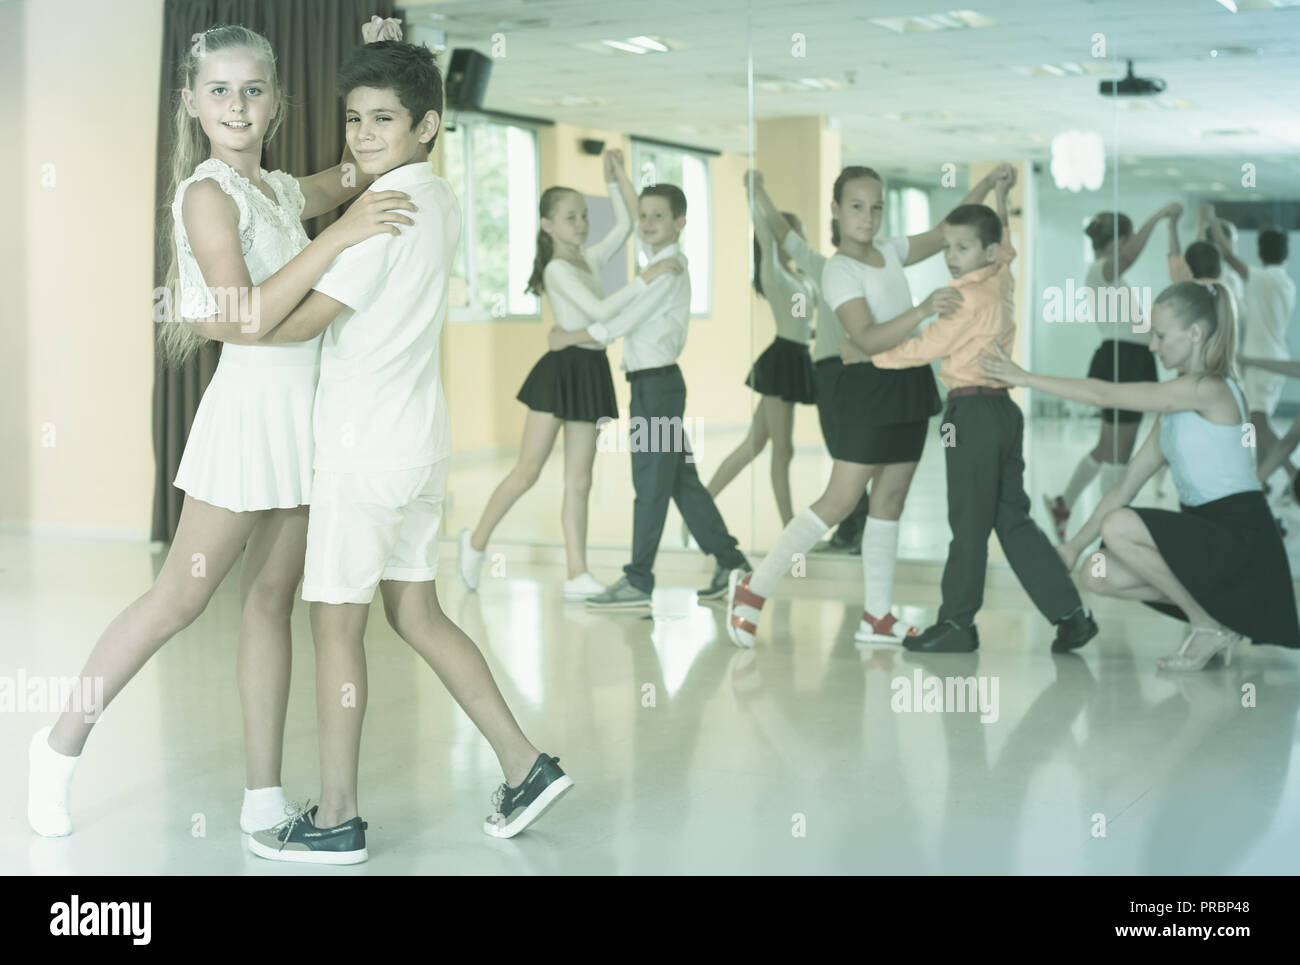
(1074, 631)
(518, 807)
(718, 588)
(298, 839)
(944, 637)
(847, 542)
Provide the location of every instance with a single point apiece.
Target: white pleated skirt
(250, 447)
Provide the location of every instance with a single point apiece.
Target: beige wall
(78, 367)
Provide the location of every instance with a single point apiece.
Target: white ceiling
(912, 101)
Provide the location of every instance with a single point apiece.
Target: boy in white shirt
(653, 328)
(1270, 303)
(383, 446)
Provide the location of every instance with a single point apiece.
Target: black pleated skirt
(1229, 555)
(573, 384)
(880, 416)
(1135, 364)
(784, 370)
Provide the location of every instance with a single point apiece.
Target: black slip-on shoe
(944, 637)
(1074, 631)
(515, 808)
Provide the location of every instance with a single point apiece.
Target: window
(492, 167)
(657, 164)
(907, 212)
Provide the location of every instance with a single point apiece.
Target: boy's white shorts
(364, 527)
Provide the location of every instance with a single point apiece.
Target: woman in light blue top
(1219, 564)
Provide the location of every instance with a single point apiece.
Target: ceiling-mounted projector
(1131, 85)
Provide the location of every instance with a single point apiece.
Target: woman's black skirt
(1229, 555)
(573, 384)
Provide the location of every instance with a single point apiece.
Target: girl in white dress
(571, 387)
(242, 262)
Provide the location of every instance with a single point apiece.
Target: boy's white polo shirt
(379, 402)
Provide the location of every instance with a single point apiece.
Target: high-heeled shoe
(1180, 662)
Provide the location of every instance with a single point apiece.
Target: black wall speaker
(467, 79)
(592, 146)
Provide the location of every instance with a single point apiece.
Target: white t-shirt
(1117, 306)
(379, 403)
(885, 289)
(1270, 300)
(812, 265)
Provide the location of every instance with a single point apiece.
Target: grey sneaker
(718, 589)
(621, 596)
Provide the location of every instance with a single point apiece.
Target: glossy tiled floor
(795, 757)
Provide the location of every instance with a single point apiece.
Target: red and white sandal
(886, 629)
(743, 607)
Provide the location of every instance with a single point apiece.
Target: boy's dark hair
(1272, 246)
(985, 221)
(670, 193)
(1203, 259)
(408, 69)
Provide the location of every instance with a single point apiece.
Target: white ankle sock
(1084, 473)
(799, 537)
(49, 782)
(879, 553)
(263, 808)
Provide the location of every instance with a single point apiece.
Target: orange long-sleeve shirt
(986, 316)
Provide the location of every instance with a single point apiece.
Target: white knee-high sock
(879, 553)
(1084, 473)
(799, 537)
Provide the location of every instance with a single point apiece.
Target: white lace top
(270, 235)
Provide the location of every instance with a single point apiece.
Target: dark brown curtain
(310, 39)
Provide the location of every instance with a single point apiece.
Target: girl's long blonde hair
(190, 146)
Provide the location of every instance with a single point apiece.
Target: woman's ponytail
(1210, 304)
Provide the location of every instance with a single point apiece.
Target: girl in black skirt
(783, 374)
(1123, 355)
(1219, 564)
(573, 387)
(881, 414)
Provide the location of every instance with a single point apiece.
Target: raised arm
(622, 201)
(922, 246)
(764, 212)
(1225, 248)
(1130, 250)
(1140, 468)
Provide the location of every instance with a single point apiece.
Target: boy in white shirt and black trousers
(654, 328)
(383, 446)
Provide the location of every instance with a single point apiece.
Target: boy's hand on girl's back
(374, 213)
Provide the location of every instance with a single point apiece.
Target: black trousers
(986, 493)
(661, 472)
(824, 374)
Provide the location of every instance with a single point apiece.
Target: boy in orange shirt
(983, 441)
